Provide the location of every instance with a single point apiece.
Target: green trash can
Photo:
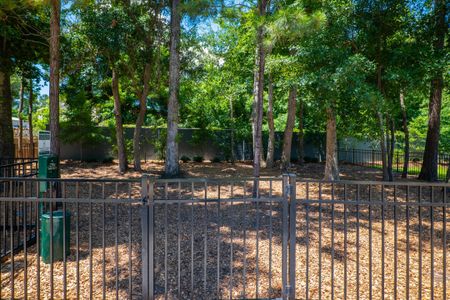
(58, 236)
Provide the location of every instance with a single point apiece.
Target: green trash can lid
(57, 214)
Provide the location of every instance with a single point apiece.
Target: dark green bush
(185, 159)
(309, 159)
(198, 159)
(108, 160)
(216, 160)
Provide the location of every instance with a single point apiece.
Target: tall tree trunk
(140, 118)
(232, 129)
(258, 96)
(288, 131)
(430, 155)
(406, 133)
(447, 178)
(383, 146)
(270, 121)
(20, 112)
(301, 134)
(121, 150)
(172, 164)
(331, 162)
(6, 127)
(390, 146)
(54, 75)
(30, 119)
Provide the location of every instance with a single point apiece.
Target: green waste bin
(58, 236)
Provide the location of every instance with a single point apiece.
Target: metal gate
(215, 239)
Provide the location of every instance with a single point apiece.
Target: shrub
(198, 159)
(309, 159)
(185, 159)
(216, 160)
(108, 160)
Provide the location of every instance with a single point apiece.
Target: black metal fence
(231, 238)
(18, 167)
(373, 159)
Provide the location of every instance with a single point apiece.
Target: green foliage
(216, 159)
(185, 159)
(198, 159)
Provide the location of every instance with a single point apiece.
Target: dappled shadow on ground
(212, 250)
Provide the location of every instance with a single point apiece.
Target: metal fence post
(147, 223)
(292, 232)
(289, 235)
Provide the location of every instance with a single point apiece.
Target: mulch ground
(234, 250)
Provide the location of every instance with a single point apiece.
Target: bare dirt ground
(234, 250)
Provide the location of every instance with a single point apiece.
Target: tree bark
(383, 146)
(30, 119)
(301, 134)
(6, 128)
(390, 127)
(54, 75)
(406, 134)
(447, 178)
(21, 91)
(430, 156)
(232, 129)
(140, 118)
(258, 96)
(331, 162)
(171, 163)
(270, 121)
(121, 150)
(288, 131)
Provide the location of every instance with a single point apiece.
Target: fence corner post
(289, 236)
(147, 224)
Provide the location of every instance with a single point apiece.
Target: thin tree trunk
(54, 75)
(258, 94)
(258, 89)
(406, 133)
(430, 155)
(391, 150)
(30, 119)
(270, 121)
(383, 145)
(22, 86)
(121, 150)
(447, 178)
(172, 164)
(6, 128)
(140, 118)
(232, 129)
(390, 146)
(331, 162)
(301, 134)
(288, 131)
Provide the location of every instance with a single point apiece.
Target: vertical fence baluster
(320, 240)
(432, 244)
(407, 243)
(420, 242)
(285, 226)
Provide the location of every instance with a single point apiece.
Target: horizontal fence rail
(237, 238)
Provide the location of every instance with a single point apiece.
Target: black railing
(373, 159)
(18, 167)
(212, 239)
